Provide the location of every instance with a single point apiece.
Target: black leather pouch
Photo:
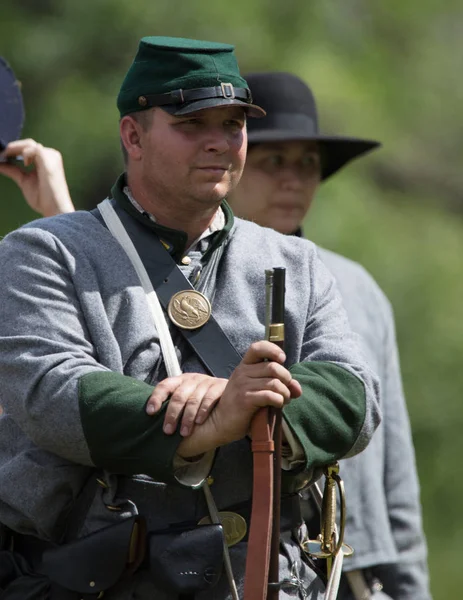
(91, 564)
(5, 537)
(186, 561)
(17, 581)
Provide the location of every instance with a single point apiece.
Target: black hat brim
(336, 151)
(252, 110)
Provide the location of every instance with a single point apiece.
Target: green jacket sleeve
(121, 437)
(328, 417)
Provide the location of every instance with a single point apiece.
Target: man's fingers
(196, 395)
(263, 350)
(295, 388)
(184, 394)
(194, 405)
(210, 399)
(269, 385)
(192, 397)
(267, 370)
(200, 403)
(179, 390)
(206, 407)
(268, 398)
(160, 394)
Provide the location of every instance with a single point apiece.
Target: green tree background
(390, 71)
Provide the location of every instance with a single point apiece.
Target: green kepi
(182, 76)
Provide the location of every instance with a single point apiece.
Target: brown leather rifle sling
(262, 569)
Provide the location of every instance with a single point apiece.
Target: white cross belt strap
(115, 226)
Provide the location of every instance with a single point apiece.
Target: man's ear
(130, 132)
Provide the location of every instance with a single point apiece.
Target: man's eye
(193, 121)
(234, 124)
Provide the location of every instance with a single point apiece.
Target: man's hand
(194, 394)
(45, 188)
(252, 385)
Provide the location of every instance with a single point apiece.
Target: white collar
(218, 222)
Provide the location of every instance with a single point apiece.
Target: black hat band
(299, 123)
(225, 90)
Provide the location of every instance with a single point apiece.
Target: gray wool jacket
(384, 522)
(79, 357)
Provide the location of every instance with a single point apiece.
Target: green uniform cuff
(328, 417)
(121, 437)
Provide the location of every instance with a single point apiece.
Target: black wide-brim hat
(11, 106)
(292, 116)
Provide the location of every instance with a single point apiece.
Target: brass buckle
(228, 91)
(178, 97)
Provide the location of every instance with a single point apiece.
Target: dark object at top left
(11, 106)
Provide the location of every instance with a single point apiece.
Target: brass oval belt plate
(189, 309)
(234, 526)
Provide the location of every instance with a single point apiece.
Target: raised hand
(44, 188)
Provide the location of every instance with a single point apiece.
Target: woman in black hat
(287, 140)
(287, 159)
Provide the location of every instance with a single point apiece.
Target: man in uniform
(91, 449)
(287, 159)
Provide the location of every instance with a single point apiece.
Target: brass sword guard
(326, 546)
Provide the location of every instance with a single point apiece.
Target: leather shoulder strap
(209, 342)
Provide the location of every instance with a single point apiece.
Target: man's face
(278, 184)
(198, 157)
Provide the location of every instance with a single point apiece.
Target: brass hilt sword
(328, 545)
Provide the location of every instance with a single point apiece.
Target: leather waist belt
(93, 564)
(32, 548)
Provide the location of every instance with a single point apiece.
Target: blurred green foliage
(390, 71)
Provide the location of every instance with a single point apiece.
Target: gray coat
(383, 505)
(72, 305)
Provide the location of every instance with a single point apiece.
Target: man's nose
(216, 140)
